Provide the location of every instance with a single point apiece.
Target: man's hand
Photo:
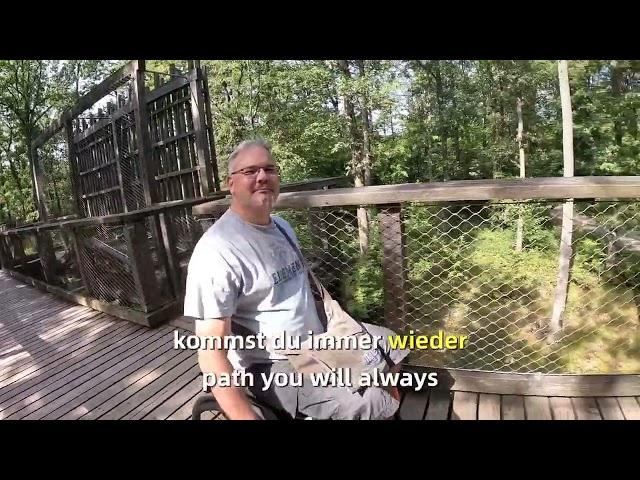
(232, 399)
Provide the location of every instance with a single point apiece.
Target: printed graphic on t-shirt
(286, 269)
(286, 273)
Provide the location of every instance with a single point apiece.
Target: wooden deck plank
(414, 405)
(537, 408)
(184, 412)
(80, 405)
(145, 377)
(562, 408)
(513, 407)
(33, 299)
(630, 408)
(63, 369)
(168, 376)
(88, 369)
(45, 344)
(142, 354)
(29, 320)
(465, 406)
(439, 405)
(489, 407)
(50, 337)
(21, 318)
(60, 358)
(164, 394)
(51, 333)
(121, 389)
(586, 408)
(609, 408)
(64, 360)
(61, 362)
(186, 396)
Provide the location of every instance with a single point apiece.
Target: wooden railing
(444, 256)
(131, 265)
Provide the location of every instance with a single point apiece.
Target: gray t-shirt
(252, 274)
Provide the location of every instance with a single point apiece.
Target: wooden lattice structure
(115, 168)
(134, 169)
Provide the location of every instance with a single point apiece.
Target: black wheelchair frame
(206, 402)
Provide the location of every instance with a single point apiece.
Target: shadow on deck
(59, 360)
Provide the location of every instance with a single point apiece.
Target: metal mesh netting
(129, 164)
(187, 229)
(459, 272)
(173, 145)
(23, 249)
(106, 254)
(64, 264)
(104, 257)
(98, 173)
(106, 155)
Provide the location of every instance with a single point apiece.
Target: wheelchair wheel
(207, 403)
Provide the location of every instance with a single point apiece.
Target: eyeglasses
(253, 171)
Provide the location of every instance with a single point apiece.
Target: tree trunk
(37, 180)
(560, 300)
(519, 233)
(617, 88)
(356, 143)
(367, 156)
(56, 195)
(444, 134)
(16, 178)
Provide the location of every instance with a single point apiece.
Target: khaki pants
(331, 402)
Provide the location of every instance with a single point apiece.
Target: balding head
(244, 146)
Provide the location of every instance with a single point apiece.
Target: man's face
(252, 186)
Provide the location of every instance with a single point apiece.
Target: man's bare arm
(232, 399)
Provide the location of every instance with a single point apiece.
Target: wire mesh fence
(104, 258)
(460, 269)
(126, 141)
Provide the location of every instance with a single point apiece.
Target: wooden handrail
(548, 188)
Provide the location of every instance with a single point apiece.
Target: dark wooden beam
(86, 101)
(548, 188)
(143, 135)
(394, 268)
(200, 129)
(558, 385)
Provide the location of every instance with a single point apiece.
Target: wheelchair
(207, 403)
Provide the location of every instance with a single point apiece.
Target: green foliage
(364, 293)
(537, 229)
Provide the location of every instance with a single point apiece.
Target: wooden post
(142, 268)
(143, 135)
(393, 266)
(520, 224)
(200, 129)
(73, 168)
(3, 256)
(38, 177)
(47, 257)
(17, 248)
(212, 143)
(116, 153)
(78, 247)
(566, 250)
(170, 251)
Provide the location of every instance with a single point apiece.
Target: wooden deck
(444, 405)
(59, 360)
